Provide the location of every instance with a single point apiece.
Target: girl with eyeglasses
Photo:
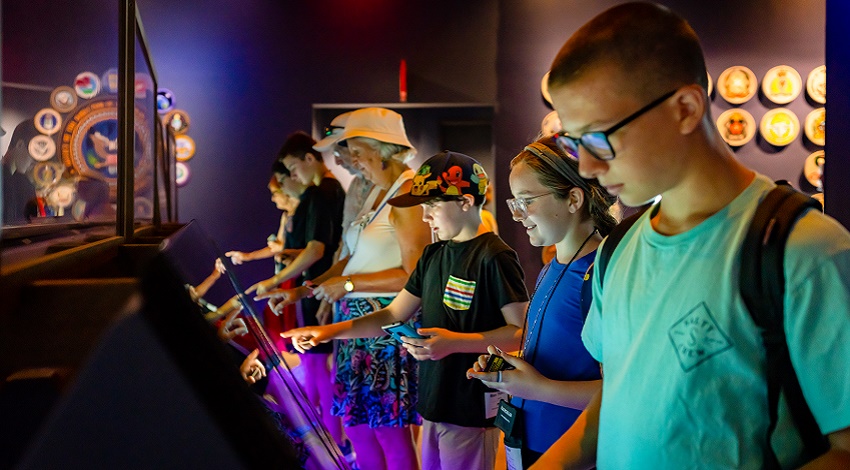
(556, 377)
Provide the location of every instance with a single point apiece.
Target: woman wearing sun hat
(376, 379)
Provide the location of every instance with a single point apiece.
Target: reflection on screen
(194, 255)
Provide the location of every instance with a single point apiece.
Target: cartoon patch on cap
(454, 181)
(479, 176)
(421, 185)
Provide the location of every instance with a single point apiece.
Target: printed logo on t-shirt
(697, 337)
(458, 294)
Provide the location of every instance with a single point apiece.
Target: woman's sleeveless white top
(373, 240)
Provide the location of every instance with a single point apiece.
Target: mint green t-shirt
(684, 364)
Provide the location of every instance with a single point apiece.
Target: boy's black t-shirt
(463, 286)
(317, 217)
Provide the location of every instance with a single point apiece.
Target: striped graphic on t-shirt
(458, 294)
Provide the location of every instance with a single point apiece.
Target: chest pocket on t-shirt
(458, 293)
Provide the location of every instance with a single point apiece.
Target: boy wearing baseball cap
(471, 290)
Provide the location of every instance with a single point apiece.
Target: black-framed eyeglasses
(519, 206)
(596, 143)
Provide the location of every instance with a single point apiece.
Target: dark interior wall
(248, 72)
(838, 67)
(759, 35)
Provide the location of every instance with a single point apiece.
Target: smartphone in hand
(399, 329)
(496, 363)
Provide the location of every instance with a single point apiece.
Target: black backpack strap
(763, 290)
(587, 290)
(612, 240)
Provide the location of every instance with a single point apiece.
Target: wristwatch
(348, 286)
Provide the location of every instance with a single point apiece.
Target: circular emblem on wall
(47, 173)
(737, 126)
(90, 143)
(813, 169)
(42, 148)
(816, 85)
(109, 81)
(63, 99)
(178, 121)
(164, 100)
(815, 126)
(781, 84)
(710, 84)
(544, 88)
(184, 147)
(182, 174)
(87, 85)
(737, 84)
(779, 126)
(48, 121)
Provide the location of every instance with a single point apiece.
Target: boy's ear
(468, 201)
(309, 157)
(690, 108)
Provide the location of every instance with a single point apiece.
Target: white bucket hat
(381, 124)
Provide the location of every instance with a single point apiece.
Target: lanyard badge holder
(509, 420)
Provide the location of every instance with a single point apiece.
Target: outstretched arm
(400, 309)
(205, 285)
(312, 253)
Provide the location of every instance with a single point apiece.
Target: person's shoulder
(817, 235)
(814, 233)
(328, 184)
(431, 249)
(309, 193)
(492, 246)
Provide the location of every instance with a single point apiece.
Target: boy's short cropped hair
(298, 145)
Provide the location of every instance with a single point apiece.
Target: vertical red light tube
(402, 81)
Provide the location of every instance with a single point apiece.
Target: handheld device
(399, 329)
(496, 363)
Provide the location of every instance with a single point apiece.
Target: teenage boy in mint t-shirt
(684, 382)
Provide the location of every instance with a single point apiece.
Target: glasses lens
(518, 208)
(567, 145)
(597, 144)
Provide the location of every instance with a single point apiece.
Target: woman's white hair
(396, 152)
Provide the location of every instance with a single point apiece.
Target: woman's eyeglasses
(519, 206)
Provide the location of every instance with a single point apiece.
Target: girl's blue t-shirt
(553, 345)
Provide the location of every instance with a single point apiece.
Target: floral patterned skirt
(376, 379)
